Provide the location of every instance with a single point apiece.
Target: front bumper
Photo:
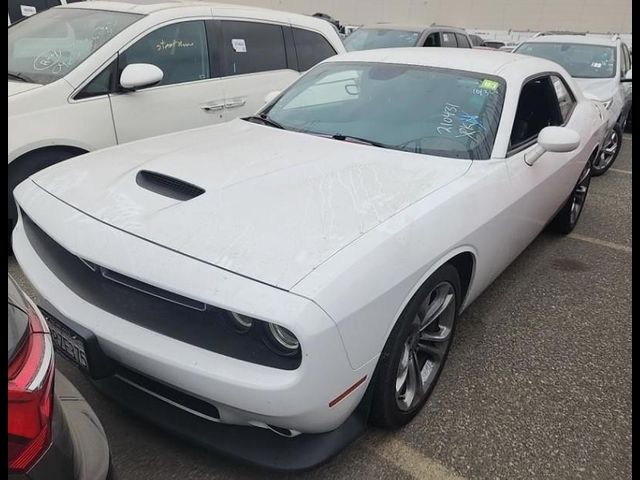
(244, 394)
(255, 446)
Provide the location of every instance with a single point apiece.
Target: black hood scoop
(167, 186)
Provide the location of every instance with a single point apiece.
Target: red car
(53, 432)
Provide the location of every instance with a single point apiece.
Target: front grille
(150, 307)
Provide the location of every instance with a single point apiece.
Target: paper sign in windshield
(239, 45)
(489, 85)
(27, 10)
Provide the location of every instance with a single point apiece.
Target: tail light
(30, 396)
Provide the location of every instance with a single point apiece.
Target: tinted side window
(101, 84)
(250, 47)
(462, 41)
(433, 40)
(564, 96)
(311, 48)
(179, 50)
(537, 108)
(449, 40)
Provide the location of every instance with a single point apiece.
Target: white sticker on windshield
(27, 10)
(239, 45)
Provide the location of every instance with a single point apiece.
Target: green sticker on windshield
(489, 85)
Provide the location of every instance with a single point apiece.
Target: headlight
(282, 340)
(279, 339)
(608, 103)
(241, 323)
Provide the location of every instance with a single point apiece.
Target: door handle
(235, 103)
(212, 107)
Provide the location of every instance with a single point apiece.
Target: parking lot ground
(538, 382)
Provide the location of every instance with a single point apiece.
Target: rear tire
(609, 152)
(416, 350)
(567, 218)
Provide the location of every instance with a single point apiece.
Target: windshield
(449, 113)
(580, 60)
(47, 46)
(370, 38)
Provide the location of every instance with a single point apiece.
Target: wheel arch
(49, 148)
(17, 170)
(463, 259)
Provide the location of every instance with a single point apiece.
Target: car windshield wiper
(20, 76)
(265, 120)
(351, 138)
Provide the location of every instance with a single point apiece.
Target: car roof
(148, 7)
(491, 62)
(170, 8)
(582, 39)
(141, 7)
(411, 28)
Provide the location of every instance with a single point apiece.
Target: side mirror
(553, 139)
(269, 97)
(627, 77)
(140, 75)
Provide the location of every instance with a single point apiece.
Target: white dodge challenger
(267, 286)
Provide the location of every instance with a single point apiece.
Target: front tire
(416, 350)
(609, 153)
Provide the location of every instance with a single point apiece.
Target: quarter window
(179, 50)
(565, 99)
(311, 48)
(251, 47)
(449, 40)
(462, 41)
(100, 85)
(537, 108)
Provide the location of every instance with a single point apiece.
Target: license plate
(67, 342)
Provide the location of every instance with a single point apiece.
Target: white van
(94, 74)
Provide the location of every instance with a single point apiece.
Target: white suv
(602, 68)
(94, 74)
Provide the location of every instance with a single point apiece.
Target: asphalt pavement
(537, 385)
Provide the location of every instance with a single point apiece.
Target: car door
(539, 190)
(255, 61)
(190, 94)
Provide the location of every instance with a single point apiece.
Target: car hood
(19, 87)
(276, 204)
(601, 89)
